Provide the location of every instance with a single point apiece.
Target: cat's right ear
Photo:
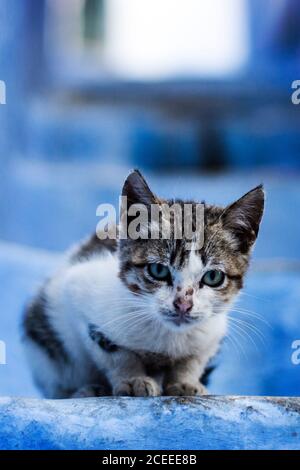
(243, 217)
(137, 190)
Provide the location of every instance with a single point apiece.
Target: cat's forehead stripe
(195, 264)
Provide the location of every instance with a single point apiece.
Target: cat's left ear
(137, 190)
(137, 193)
(243, 217)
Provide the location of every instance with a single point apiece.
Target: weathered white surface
(155, 423)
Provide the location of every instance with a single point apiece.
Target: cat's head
(182, 285)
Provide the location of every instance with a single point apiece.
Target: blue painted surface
(154, 423)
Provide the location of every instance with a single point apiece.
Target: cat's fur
(102, 325)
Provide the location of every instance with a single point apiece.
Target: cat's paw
(90, 391)
(137, 387)
(180, 389)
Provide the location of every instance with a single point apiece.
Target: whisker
(241, 348)
(134, 324)
(232, 342)
(124, 318)
(250, 313)
(247, 334)
(255, 315)
(254, 296)
(252, 328)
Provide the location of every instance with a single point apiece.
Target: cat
(141, 317)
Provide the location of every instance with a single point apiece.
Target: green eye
(213, 278)
(159, 271)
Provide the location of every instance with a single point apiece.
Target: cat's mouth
(180, 320)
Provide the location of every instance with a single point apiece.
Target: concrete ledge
(213, 422)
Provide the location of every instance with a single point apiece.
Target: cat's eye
(159, 271)
(213, 278)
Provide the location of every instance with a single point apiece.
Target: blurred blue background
(195, 94)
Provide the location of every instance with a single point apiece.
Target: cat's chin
(178, 327)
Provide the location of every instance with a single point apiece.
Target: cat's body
(104, 325)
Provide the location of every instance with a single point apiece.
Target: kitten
(141, 317)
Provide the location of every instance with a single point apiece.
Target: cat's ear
(137, 190)
(243, 217)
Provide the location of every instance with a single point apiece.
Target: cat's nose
(183, 306)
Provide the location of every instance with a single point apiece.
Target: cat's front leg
(129, 378)
(183, 378)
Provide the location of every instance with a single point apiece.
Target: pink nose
(183, 306)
